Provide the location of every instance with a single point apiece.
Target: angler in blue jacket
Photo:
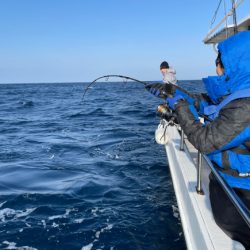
(225, 139)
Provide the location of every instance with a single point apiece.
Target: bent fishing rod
(126, 78)
(107, 77)
(139, 81)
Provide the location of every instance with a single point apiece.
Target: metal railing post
(199, 169)
(182, 140)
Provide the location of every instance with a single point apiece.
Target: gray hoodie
(170, 77)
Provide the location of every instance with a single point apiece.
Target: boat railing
(237, 202)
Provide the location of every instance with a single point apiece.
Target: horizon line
(69, 82)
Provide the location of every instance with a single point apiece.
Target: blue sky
(80, 40)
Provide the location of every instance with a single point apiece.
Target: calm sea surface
(84, 175)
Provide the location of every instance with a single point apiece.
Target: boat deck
(200, 229)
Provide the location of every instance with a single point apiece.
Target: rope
(225, 12)
(215, 14)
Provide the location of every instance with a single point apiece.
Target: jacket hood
(171, 70)
(235, 56)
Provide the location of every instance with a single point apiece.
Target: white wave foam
(51, 157)
(55, 225)
(1, 204)
(24, 213)
(44, 223)
(78, 221)
(176, 213)
(108, 227)
(97, 235)
(6, 212)
(94, 211)
(60, 215)
(88, 247)
(14, 214)
(12, 245)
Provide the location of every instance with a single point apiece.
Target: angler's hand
(172, 101)
(161, 90)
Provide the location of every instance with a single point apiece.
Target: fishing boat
(190, 176)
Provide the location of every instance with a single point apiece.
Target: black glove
(161, 90)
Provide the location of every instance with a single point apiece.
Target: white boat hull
(200, 229)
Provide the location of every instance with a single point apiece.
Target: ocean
(84, 174)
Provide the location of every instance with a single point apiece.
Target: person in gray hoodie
(168, 73)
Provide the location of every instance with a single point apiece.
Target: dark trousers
(226, 215)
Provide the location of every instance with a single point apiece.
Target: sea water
(84, 174)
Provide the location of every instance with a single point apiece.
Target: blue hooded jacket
(235, 56)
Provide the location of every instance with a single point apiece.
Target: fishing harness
(212, 111)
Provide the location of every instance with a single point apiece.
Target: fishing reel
(166, 113)
(168, 118)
